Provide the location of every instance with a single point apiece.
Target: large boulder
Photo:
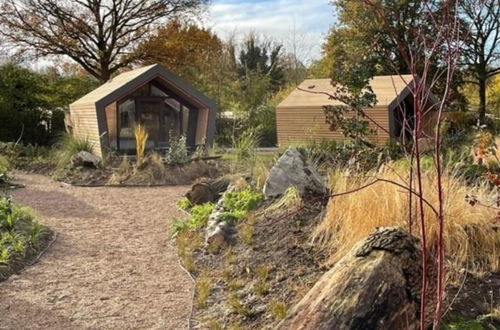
(85, 159)
(376, 286)
(292, 169)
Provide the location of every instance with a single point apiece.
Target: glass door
(150, 110)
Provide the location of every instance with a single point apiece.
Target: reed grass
(141, 140)
(472, 242)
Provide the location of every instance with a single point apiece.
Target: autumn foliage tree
(482, 49)
(99, 35)
(190, 51)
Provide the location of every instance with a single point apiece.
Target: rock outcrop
(292, 169)
(85, 159)
(376, 286)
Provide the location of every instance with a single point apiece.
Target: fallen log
(208, 191)
(376, 286)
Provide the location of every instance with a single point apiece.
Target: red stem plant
(435, 44)
(431, 50)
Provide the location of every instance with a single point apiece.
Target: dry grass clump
(472, 242)
(150, 171)
(278, 310)
(124, 171)
(203, 288)
(290, 200)
(187, 244)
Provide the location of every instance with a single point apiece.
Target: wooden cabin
(300, 117)
(152, 96)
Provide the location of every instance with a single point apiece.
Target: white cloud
(306, 21)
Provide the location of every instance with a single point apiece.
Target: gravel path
(111, 266)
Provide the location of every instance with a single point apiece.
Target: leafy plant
(18, 233)
(197, 220)
(238, 204)
(37, 234)
(177, 154)
(141, 140)
(185, 204)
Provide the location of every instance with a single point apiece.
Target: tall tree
(482, 51)
(100, 35)
(192, 52)
(263, 58)
(362, 42)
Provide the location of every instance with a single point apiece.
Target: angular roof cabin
(301, 118)
(152, 96)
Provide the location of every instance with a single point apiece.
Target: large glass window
(153, 106)
(127, 120)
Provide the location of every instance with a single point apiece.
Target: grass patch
(471, 241)
(278, 310)
(237, 306)
(203, 288)
(187, 244)
(260, 288)
(68, 146)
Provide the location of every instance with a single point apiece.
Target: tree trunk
(376, 286)
(482, 99)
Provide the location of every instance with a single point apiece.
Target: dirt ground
(111, 266)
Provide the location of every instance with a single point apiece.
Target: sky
(303, 23)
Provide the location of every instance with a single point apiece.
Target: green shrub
(238, 204)
(185, 204)
(464, 325)
(177, 154)
(18, 233)
(4, 171)
(197, 220)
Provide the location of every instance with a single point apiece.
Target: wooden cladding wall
(85, 124)
(300, 125)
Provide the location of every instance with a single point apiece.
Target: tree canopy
(99, 35)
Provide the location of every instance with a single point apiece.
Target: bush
(185, 204)
(4, 171)
(19, 235)
(197, 219)
(238, 204)
(330, 153)
(177, 154)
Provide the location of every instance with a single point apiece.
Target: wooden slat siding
(85, 125)
(300, 125)
(430, 122)
(201, 126)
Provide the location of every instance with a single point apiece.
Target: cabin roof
(127, 82)
(309, 94)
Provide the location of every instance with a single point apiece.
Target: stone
(85, 159)
(218, 230)
(376, 286)
(292, 169)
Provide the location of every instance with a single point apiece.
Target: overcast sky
(308, 20)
